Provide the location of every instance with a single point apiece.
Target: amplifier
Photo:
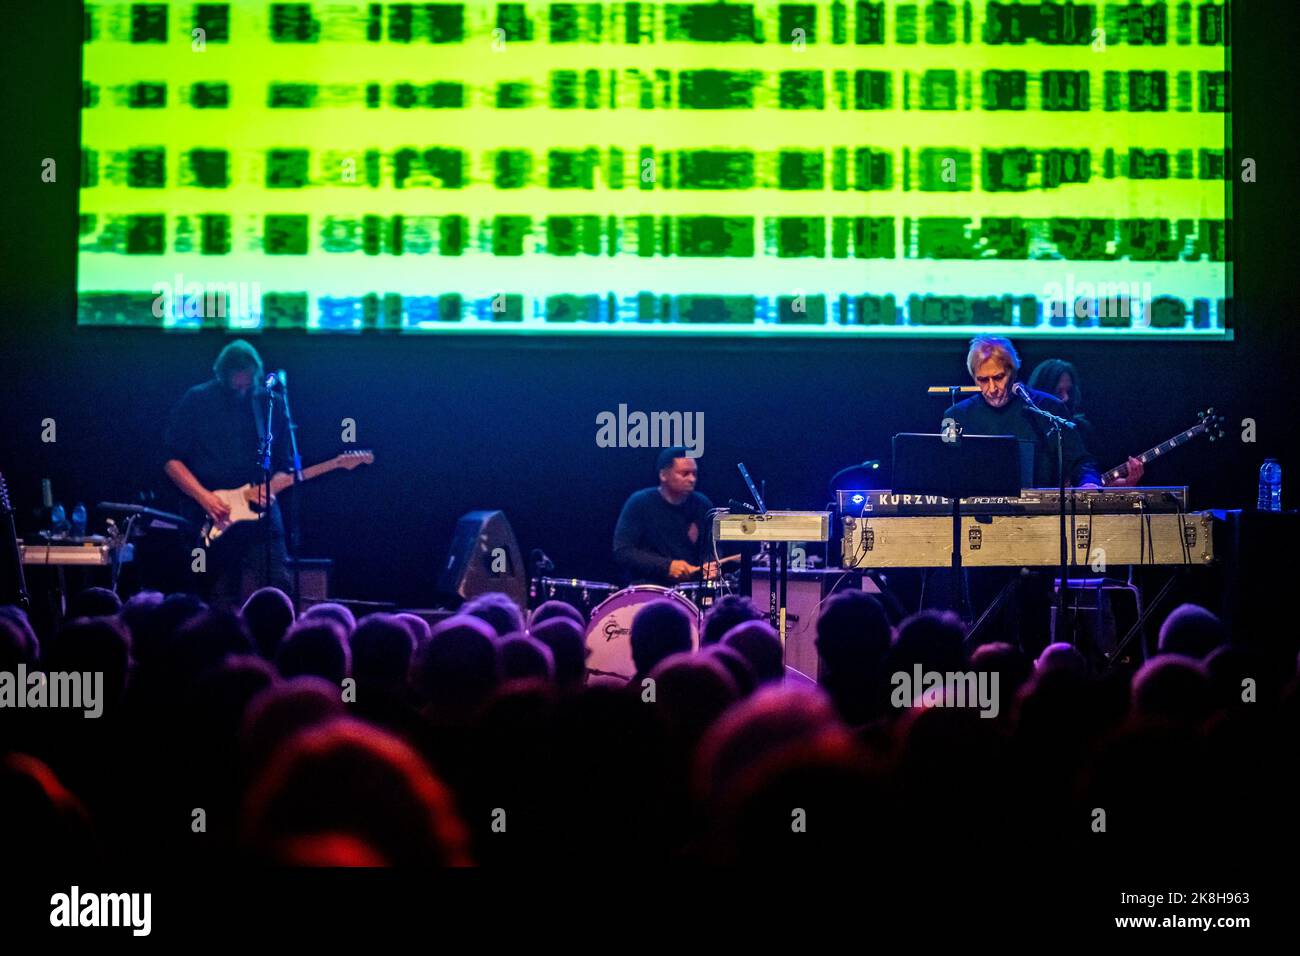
(806, 590)
(313, 580)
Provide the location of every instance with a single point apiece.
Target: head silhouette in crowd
(726, 612)
(1192, 631)
(523, 657)
(94, 602)
(659, 630)
(1061, 657)
(282, 709)
(932, 639)
(315, 646)
(18, 642)
(499, 610)
(568, 646)
(853, 635)
(691, 691)
(552, 609)
(268, 613)
(1173, 688)
(760, 646)
(417, 625)
(382, 647)
(96, 645)
(741, 671)
(456, 671)
(338, 613)
(381, 792)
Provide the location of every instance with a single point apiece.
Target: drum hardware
(583, 595)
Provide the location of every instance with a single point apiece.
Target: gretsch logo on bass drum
(612, 630)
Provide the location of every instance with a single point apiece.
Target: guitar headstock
(1211, 423)
(351, 459)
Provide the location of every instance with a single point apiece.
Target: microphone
(540, 561)
(1023, 393)
(277, 380)
(735, 506)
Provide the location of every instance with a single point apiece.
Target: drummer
(663, 533)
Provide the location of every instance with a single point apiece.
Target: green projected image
(822, 168)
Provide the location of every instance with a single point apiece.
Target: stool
(1094, 600)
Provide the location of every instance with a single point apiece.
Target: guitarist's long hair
(1047, 373)
(235, 357)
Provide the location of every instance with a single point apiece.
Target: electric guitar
(1210, 425)
(242, 501)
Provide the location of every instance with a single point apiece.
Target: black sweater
(977, 417)
(652, 533)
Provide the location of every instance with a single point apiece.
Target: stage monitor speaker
(358, 607)
(484, 557)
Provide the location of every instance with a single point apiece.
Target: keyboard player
(993, 364)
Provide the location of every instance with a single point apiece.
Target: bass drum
(609, 635)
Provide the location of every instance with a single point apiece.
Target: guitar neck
(1153, 453)
(282, 480)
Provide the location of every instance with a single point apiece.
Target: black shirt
(977, 417)
(651, 534)
(216, 434)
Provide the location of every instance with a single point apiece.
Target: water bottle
(79, 520)
(1270, 486)
(58, 521)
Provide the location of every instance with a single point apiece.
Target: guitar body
(242, 501)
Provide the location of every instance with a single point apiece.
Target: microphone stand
(294, 523)
(264, 455)
(1057, 431)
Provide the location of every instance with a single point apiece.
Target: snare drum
(702, 595)
(609, 635)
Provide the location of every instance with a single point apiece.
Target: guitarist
(211, 442)
(1058, 377)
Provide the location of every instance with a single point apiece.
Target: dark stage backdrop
(511, 423)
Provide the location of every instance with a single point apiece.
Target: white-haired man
(993, 364)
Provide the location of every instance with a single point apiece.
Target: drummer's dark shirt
(651, 534)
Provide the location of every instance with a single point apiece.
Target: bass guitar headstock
(1211, 424)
